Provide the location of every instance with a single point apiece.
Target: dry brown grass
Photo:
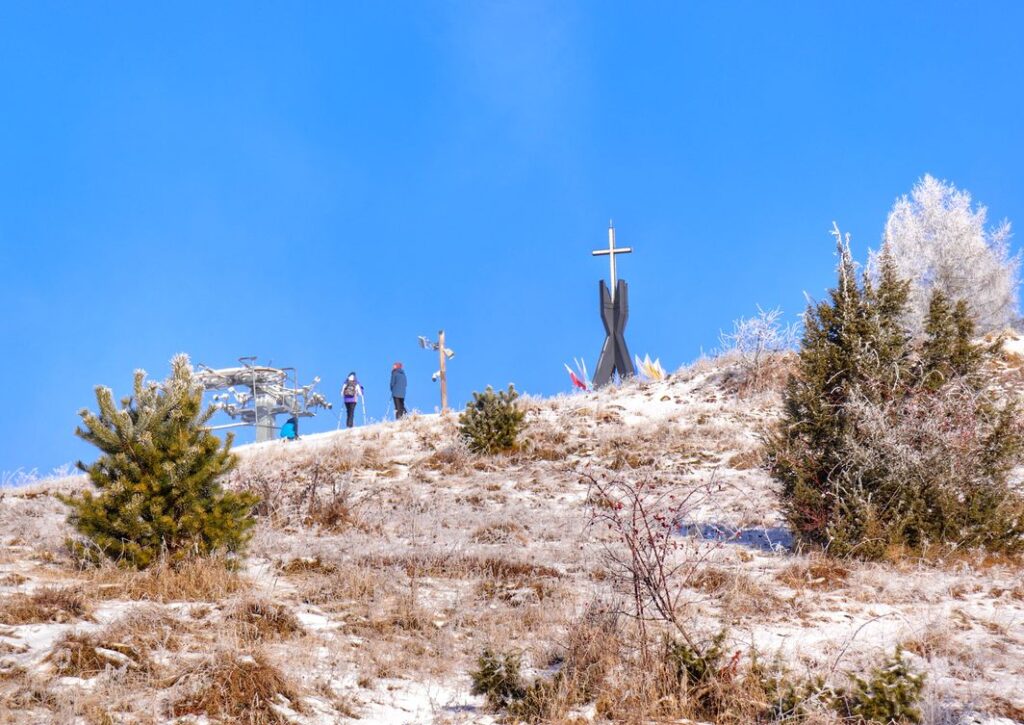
(30, 694)
(452, 459)
(347, 584)
(239, 688)
(740, 594)
(818, 573)
(12, 579)
(499, 532)
(460, 566)
(335, 514)
(516, 593)
(50, 604)
(125, 643)
(259, 620)
(313, 565)
(87, 655)
(746, 460)
(194, 580)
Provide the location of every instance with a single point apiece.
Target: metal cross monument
(614, 314)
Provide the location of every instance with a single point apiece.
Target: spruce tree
(157, 491)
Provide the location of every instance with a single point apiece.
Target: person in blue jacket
(398, 383)
(290, 429)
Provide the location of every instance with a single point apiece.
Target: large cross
(611, 252)
(614, 314)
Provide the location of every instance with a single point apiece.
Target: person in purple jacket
(350, 392)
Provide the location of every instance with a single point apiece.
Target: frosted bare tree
(939, 241)
(753, 339)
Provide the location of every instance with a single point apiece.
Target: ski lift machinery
(268, 395)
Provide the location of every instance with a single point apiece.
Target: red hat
(398, 364)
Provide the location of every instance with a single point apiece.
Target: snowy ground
(430, 554)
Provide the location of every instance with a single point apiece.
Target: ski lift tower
(269, 395)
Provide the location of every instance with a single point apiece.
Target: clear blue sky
(318, 184)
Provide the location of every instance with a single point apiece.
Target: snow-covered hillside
(388, 558)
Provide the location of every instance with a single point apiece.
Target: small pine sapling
(492, 422)
(890, 694)
(156, 480)
(497, 678)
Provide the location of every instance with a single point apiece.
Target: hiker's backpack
(351, 389)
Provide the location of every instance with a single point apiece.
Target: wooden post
(444, 373)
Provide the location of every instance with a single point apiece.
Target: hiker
(350, 392)
(398, 389)
(290, 429)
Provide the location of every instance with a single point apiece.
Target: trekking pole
(363, 406)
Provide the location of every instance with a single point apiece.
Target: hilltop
(388, 558)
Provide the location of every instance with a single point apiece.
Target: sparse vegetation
(386, 617)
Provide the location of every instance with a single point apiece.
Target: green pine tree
(492, 422)
(157, 491)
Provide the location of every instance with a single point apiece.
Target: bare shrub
(336, 513)
(755, 344)
(236, 687)
(648, 558)
(50, 604)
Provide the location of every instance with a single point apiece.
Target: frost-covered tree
(754, 339)
(939, 242)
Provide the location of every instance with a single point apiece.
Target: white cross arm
(617, 250)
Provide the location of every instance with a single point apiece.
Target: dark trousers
(350, 410)
(399, 407)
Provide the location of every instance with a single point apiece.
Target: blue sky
(318, 184)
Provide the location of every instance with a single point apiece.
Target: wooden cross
(611, 252)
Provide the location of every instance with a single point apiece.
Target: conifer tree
(157, 491)
(890, 443)
(853, 344)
